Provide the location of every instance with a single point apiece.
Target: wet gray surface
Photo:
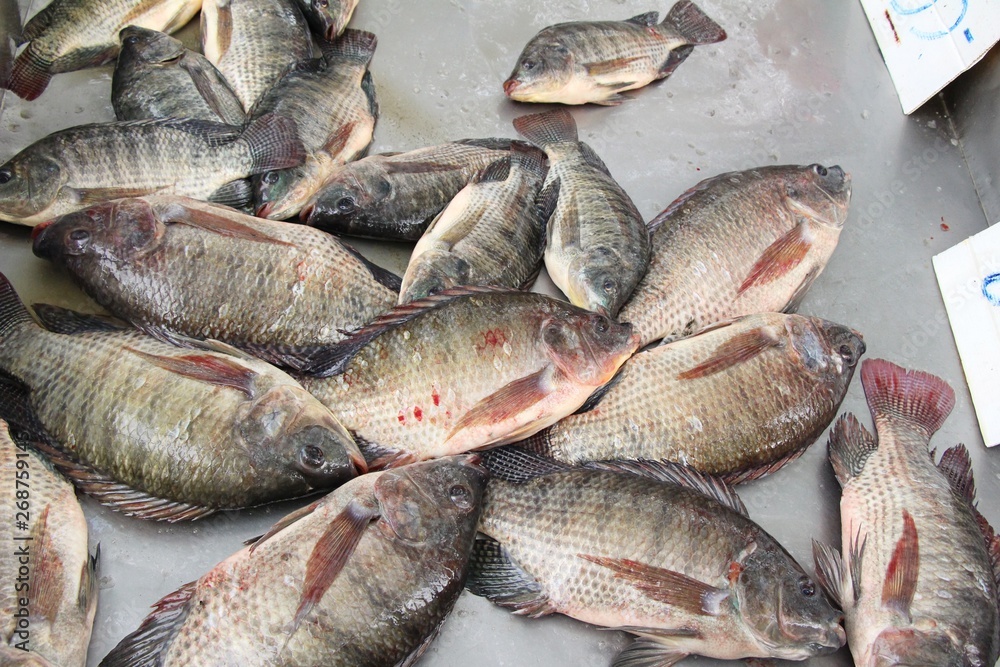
(796, 82)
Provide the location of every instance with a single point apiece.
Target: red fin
(30, 75)
(549, 127)
(780, 257)
(849, 447)
(336, 142)
(511, 399)
(738, 349)
(222, 222)
(609, 66)
(956, 466)
(901, 577)
(283, 523)
(756, 472)
(45, 591)
(91, 196)
(669, 587)
(207, 368)
(917, 398)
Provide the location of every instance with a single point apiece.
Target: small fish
(598, 246)
(788, 373)
(919, 578)
(468, 368)
(739, 243)
(68, 35)
(332, 101)
(490, 234)
(49, 605)
(394, 196)
(595, 61)
(654, 549)
(157, 77)
(293, 290)
(76, 168)
(253, 42)
(361, 578)
(159, 431)
(328, 18)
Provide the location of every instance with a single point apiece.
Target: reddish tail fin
(695, 26)
(30, 75)
(915, 397)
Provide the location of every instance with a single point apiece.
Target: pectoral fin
(740, 348)
(45, 590)
(89, 196)
(506, 403)
(609, 66)
(206, 368)
(780, 257)
(222, 222)
(901, 578)
(648, 653)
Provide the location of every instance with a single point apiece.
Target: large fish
(332, 101)
(171, 265)
(69, 35)
(491, 233)
(253, 42)
(328, 18)
(394, 196)
(654, 549)
(919, 578)
(594, 61)
(739, 243)
(465, 369)
(598, 246)
(362, 578)
(163, 432)
(76, 168)
(788, 374)
(157, 77)
(48, 594)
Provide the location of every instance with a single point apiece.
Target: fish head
(118, 230)
(426, 502)
(545, 66)
(588, 347)
(783, 608)
(30, 183)
(331, 16)
(344, 201)
(149, 46)
(824, 347)
(281, 194)
(910, 647)
(436, 271)
(596, 281)
(818, 193)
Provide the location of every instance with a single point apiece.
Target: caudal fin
(30, 75)
(354, 44)
(274, 143)
(693, 24)
(546, 128)
(913, 397)
(13, 312)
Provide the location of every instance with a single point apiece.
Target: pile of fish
(259, 358)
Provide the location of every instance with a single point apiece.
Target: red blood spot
(302, 269)
(944, 227)
(735, 570)
(418, 413)
(436, 397)
(401, 417)
(697, 168)
(491, 338)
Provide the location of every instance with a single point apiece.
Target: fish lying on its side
(158, 431)
(69, 35)
(787, 373)
(362, 578)
(739, 243)
(919, 578)
(394, 196)
(651, 548)
(594, 61)
(328, 18)
(468, 368)
(49, 612)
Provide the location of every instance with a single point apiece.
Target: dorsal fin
(517, 465)
(383, 277)
(687, 195)
(956, 466)
(149, 644)
(646, 20)
(65, 321)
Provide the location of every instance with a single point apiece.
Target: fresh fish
(332, 101)
(394, 196)
(157, 77)
(598, 246)
(362, 578)
(919, 577)
(490, 234)
(76, 168)
(253, 42)
(654, 549)
(788, 373)
(465, 369)
(162, 432)
(594, 61)
(69, 35)
(739, 243)
(328, 18)
(48, 594)
(276, 290)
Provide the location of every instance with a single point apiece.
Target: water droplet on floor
(865, 114)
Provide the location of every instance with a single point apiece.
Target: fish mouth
(39, 228)
(306, 214)
(509, 86)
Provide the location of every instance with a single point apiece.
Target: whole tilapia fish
(172, 265)
(919, 578)
(490, 234)
(328, 18)
(76, 168)
(253, 42)
(48, 594)
(598, 246)
(69, 35)
(394, 196)
(467, 368)
(594, 61)
(362, 578)
(654, 549)
(332, 101)
(162, 432)
(157, 77)
(739, 243)
(788, 374)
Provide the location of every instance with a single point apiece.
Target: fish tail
(913, 397)
(274, 143)
(30, 75)
(693, 24)
(355, 44)
(528, 157)
(550, 127)
(13, 312)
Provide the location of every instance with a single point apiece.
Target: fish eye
(553, 334)
(791, 191)
(131, 40)
(461, 495)
(346, 205)
(322, 4)
(78, 240)
(312, 456)
(6, 175)
(270, 177)
(528, 65)
(608, 286)
(601, 325)
(807, 588)
(846, 351)
(820, 170)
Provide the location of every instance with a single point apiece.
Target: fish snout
(510, 85)
(265, 209)
(306, 214)
(833, 179)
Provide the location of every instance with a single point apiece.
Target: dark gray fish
(328, 18)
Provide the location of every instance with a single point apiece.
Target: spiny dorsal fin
(692, 192)
(383, 277)
(65, 321)
(829, 571)
(13, 312)
(646, 20)
(517, 464)
(956, 466)
(849, 447)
